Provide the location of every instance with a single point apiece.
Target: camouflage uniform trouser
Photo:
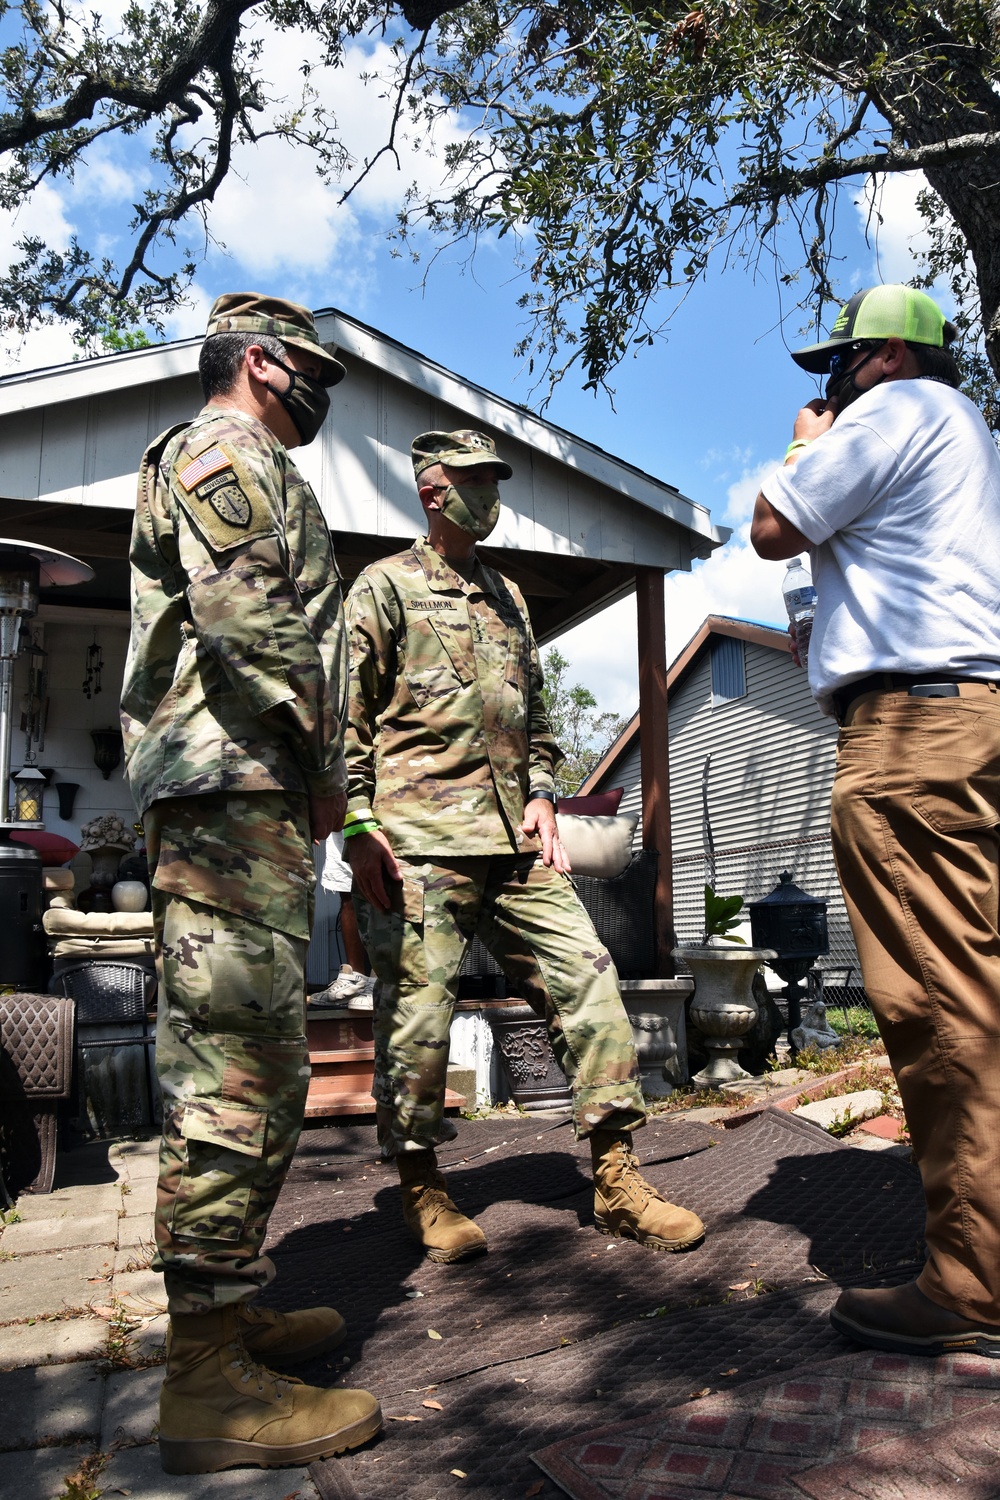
(531, 920)
(232, 897)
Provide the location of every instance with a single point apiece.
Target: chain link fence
(752, 871)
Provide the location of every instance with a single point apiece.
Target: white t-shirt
(901, 501)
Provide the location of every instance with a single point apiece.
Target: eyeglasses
(840, 361)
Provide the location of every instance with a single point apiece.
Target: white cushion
(600, 846)
(98, 924)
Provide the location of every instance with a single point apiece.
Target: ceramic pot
(128, 895)
(723, 1009)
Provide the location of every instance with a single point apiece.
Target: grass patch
(856, 1021)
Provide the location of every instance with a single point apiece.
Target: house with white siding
(751, 771)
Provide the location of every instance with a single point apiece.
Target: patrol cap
(251, 312)
(877, 313)
(459, 450)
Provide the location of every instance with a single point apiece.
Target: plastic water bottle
(800, 602)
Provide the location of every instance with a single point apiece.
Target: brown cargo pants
(916, 808)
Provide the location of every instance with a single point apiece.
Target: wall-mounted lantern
(29, 784)
(107, 749)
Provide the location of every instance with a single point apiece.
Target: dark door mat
(493, 1419)
(784, 1203)
(325, 1184)
(861, 1424)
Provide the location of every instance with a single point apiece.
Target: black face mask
(306, 400)
(842, 390)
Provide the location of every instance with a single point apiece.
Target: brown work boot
(432, 1218)
(627, 1207)
(279, 1338)
(903, 1320)
(221, 1410)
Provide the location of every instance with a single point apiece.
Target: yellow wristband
(796, 444)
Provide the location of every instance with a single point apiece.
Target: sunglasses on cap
(840, 361)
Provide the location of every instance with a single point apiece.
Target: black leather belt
(888, 682)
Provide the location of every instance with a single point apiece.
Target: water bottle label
(804, 598)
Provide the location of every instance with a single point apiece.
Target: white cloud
(188, 319)
(892, 223)
(37, 350)
(44, 215)
(733, 581)
(274, 213)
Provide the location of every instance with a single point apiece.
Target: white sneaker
(347, 986)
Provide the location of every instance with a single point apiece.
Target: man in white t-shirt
(893, 482)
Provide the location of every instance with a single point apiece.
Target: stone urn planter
(655, 1009)
(723, 1009)
(536, 1079)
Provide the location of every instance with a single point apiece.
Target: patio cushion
(600, 847)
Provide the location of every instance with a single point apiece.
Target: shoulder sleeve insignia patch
(226, 496)
(209, 463)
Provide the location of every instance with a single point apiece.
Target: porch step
(342, 1056)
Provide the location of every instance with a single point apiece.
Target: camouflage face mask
(474, 508)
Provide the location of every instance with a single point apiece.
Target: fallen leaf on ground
(434, 1405)
(406, 1419)
(411, 1296)
(535, 1489)
(707, 1391)
(521, 1379)
(734, 1371)
(432, 1333)
(740, 1286)
(459, 1473)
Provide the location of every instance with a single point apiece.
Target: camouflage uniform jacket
(447, 730)
(236, 678)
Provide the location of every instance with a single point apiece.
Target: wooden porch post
(654, 753)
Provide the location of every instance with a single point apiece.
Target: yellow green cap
(878, 313)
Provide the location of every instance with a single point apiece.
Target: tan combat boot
(432, 1218)
(626, 1206)
(280, 1338)
(221, 1410)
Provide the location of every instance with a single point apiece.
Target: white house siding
(772, 763)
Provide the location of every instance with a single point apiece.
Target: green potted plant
(723, 1008)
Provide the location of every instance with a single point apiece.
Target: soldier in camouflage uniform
(231, 711)
(451, 832)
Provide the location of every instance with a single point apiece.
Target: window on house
(729, 673)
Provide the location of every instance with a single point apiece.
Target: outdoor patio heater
(794, 925)
(24, 567)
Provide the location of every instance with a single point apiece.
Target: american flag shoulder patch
(210, 462)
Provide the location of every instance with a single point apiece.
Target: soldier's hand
(326, 815)
(540, 822)
(373, 864)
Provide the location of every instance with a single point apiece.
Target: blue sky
(708, 409)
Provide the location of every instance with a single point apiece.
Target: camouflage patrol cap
(250, 312)
(459, 450)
